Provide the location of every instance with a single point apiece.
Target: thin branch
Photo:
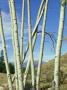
(34, 30)
(51, 37)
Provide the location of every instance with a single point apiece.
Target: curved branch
(51, 37)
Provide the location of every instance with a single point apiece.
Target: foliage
(11, 67)
(3, 68)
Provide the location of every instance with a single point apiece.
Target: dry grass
(47, 71)
(3, 78)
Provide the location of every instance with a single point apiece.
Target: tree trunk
(58, 46)
(5, 54)
(15, 28)
(34, 40)
(22, 32)
(42, 46)
(34, 30)
(30, 46)
(13, 42)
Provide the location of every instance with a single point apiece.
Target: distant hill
(47, 73)
(35, 63)
(49, 66)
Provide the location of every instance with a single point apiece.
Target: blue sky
(51, 26)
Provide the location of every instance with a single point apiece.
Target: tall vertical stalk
(15, 28)
(13, 42)
(30, 45)
(34, 40)
(42, 46)
(58, 46)
(22, 32)
(35, 29)
(5, 54)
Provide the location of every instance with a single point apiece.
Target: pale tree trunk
(42, 46)
(16, 40)
(26, 73)
(22, 32)
(13, 42)
(34, 40)
(5, 54)
(30, 46)
(58, 46)
(34, 30)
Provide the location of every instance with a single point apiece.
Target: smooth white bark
(15, 28)
(5, 54)
(34, 30)
(22, 32)
(58, 46)
(42, 46)
(34, 41)
(13, 42)
(30, 45)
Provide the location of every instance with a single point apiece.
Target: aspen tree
(30, 45)
(42, 46)
(22, 32)
(58, 46)
(34, 40)
(5, 54)
(15, 28)
(13, 42)
(34, 30)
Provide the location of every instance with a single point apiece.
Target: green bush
(11, 67)
(3, 68)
